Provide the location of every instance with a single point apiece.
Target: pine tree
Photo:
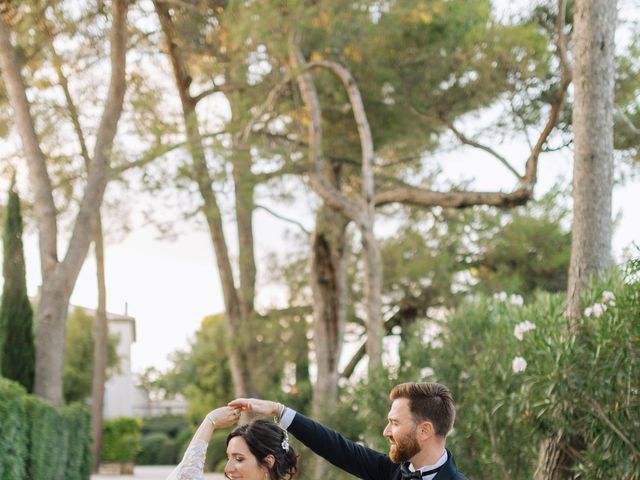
(17, 356)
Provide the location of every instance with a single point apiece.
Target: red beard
(405, 448)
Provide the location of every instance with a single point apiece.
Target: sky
(168, 286)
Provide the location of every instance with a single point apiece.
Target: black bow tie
(417, 474)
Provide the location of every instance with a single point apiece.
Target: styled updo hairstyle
(264, 438)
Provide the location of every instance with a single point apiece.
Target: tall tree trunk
(238, 357)
(59, 277)
(100, 349)
(593, 108)
(593, 78)
(244, 184)
(329, 287)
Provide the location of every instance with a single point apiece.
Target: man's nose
(385, 432)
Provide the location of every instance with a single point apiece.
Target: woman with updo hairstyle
(260, 450)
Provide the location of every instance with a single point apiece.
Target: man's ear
(425, 430)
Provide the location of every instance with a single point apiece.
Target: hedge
(121, 439)
(39, 441)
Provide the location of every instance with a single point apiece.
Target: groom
(419, 420)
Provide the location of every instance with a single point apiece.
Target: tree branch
(620, 115)
(44, 205)
(426, 198)
(467, 141)
(98, 170)
(281, 217)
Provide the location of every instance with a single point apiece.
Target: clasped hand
(255, 405)
(223, 417)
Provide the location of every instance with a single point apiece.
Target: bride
(259, 450)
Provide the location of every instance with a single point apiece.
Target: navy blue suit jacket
(353, 458)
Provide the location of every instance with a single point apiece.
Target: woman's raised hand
(224, 416)
(256, 405)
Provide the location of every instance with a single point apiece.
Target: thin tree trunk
(593, 108)
(238, 358)
(329, 288)
(100, 341)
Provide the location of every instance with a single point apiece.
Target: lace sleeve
(192, 465)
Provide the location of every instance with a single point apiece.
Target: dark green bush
(40, 442)
(121, 439)
(182, 441)
(150, 446)
(164, 440)
(217, 451)
(170, 425)
(14, 430)
(168, 452)
(78, 423)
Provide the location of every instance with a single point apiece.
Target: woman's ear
(270, 460)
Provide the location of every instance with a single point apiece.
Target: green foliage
(17, 349)
(217, 451)
(524, 250)
(40, 442)
(14, 428)
(121, 439)
(169, 425)
(163, 439)
(78, 356)
(153, 450)
(582, 384)
(202, 374)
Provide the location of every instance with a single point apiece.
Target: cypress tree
(17, 355)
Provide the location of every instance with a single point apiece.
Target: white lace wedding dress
(192, 465)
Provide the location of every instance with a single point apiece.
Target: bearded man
(419, 420)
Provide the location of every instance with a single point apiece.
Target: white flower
(609, 298)
(598, 309)
(426, 372)
(501, 297)
(522, 328)
(595, 310)
(519, 364)
(516, 299)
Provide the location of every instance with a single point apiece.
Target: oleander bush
(519, 374)
(39, 441)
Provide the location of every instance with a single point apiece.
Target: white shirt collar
(441, 461)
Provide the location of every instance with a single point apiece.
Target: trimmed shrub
(168, 453)
(14, 430)
(40, 442)
(150, 446)
(182, 441)
(170, 425)
(121, 439)
(78, 423)
(217, 451)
